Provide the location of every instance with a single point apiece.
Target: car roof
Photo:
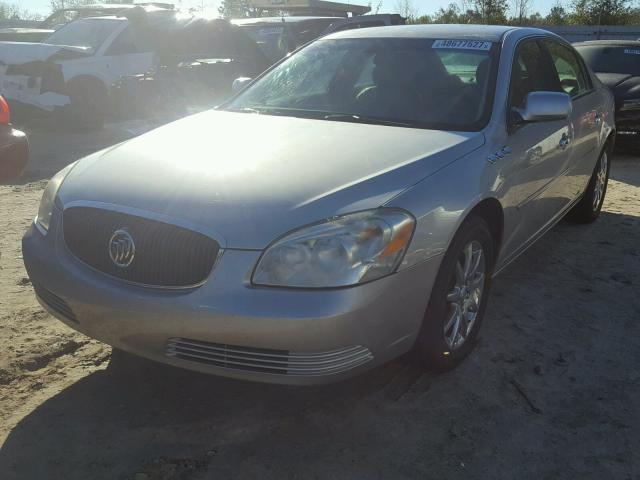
(609, 43)
(98, 6)
(261, 20)
(116, 6)
(491, 33)
(102, 18)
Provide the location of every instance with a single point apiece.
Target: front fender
(441, 203)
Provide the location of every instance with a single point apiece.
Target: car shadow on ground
(115, 407)
(549, 380)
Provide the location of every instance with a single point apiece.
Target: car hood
(623, 86)
(17, 53)
(248, 178)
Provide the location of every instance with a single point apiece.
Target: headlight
(343, 251)
(49, 196)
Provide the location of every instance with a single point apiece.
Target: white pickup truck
(74, 68)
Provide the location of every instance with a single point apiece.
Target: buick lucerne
(347, 206)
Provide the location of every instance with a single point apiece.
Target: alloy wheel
(465, 294)
(601, 182)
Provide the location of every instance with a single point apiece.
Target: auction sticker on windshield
(462, 44)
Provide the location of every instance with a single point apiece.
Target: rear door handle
(598, 118)
(564, 141)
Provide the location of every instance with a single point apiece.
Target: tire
(589, 207)
(437, 346)
(89, 101)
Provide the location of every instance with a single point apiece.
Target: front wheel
(458, 298)
(588, 208)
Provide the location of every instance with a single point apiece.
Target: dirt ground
(552, 391)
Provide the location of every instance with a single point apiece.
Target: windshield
(408, 82)
(84, 33)
(272, 40)
(613, 59)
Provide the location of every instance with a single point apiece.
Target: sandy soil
(552, 391)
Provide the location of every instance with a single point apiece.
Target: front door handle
(598, 118)
(564, 141)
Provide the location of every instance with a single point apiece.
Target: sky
(388, 6)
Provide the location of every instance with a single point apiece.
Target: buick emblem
(121, 248)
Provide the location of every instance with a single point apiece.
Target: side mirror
(240, 83)
(544, 106)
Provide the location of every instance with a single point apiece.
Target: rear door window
(570, 73)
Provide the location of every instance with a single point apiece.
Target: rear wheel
(458, 298)
(589, 207)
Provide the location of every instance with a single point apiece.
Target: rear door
(586, 120)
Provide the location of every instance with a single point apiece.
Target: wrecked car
(63, 16)
(197, 62)
(74, 70)
(279, 36)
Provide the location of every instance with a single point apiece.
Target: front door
(539, 151)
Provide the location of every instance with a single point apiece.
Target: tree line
(521, 12)
(513, 12)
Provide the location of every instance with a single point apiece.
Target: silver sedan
(349, 205)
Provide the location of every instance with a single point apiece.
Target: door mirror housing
(544, 107)
(240, 83)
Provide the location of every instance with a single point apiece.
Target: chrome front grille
(55, 303)
(281, 362)
(165, 255)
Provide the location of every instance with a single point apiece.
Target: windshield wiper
(245, 110)
(351, 117)
(268, 111)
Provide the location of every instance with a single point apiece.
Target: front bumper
(24, 93)
(228, 326)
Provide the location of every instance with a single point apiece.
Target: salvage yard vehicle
(279, 36)
(617, 64)
(14, 149)
(349, 205)
(74, 70)
(62, 17)
(197, 63)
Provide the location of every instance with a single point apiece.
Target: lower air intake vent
(54, 302)
(280, 362)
